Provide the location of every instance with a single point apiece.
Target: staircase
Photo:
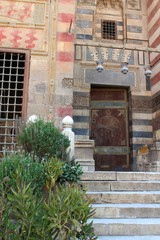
(127, 204)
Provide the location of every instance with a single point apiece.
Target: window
(12, 99)
(109, 30)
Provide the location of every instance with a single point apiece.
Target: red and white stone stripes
(64, 55)
(154, 38)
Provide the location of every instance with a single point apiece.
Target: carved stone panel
(80, 99)
(109, 3)
(19, 21)
(22, 12)
(109, 54)
(141, 104)
(21, 37)
(67, 82)
(134, 4)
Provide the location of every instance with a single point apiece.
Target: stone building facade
(49, 51)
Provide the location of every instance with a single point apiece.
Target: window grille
(109, 30)
(12, 67)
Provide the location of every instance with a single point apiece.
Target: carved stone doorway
(109, 128)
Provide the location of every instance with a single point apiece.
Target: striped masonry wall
(100, 17)
(81, 114)
(89, 17)
(140, 122)
(84, 21)
(136, 33)
(140, 104)
(141, 117)
(154, 42)
(64, 59)
(84, 31)
(88, 28)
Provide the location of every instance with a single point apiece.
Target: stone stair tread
(103, 186)
(121, 181)
(129, 237)
(125, 197)
(119, 176)
(125, 192)
(144, 221)
(125, 205)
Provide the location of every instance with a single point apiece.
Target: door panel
(109, 128)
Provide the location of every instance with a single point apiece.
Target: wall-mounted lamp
(100, 68)
(124, 68)
(148, 71)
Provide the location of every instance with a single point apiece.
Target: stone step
(126, 210)
(103, 186)
(120, 176)
(129, 237)
(125, 197)
(126, 227)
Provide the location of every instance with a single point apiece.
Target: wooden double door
(109, 128)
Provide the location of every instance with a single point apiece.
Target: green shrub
(23, 167)
(72, 172)
(68, 212)
(43, 139)
(63, 216)
(26, 212)
(53, 170)
(5, 223)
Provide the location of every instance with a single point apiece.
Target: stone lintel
(109, 77)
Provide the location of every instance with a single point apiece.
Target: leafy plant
(7, 227)
(53, 169)
(27, 210)
(87, 232)
(24, 167)
(72, 172)
(68, 212)
(43, 139)
(64, 216)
